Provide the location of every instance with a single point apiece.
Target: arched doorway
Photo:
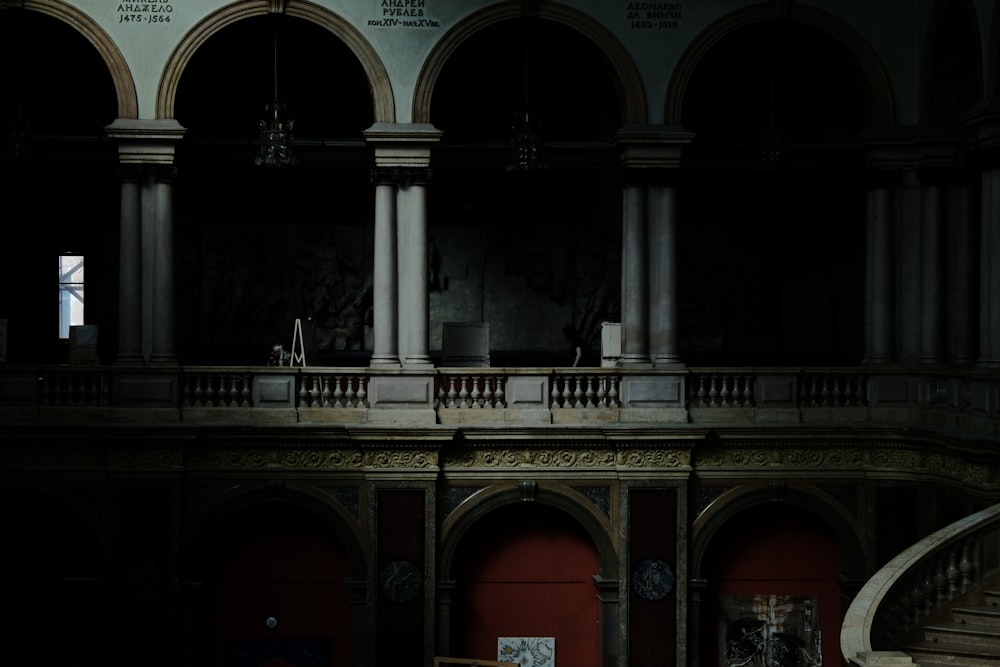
(525, 571)
(773, 586)
(273, 589)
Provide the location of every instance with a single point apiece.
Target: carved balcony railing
(920, 581)
(965, 401)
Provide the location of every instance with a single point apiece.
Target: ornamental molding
(568, 457)
(266, 458)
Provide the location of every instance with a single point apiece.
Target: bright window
(70, 293)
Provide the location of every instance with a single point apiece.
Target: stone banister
(921, 580)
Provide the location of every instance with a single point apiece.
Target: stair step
(956, 655)
(984, 615)
(992, 598)
(964, 634)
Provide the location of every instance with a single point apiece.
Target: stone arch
(378, 78)
(802, 496)
(633, 92)
(121, 75)
(209, 518)
(482, 503)
(880, 106)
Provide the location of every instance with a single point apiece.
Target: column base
(384, 361)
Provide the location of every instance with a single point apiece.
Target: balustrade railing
(581, 390)
(217, 389)
(472, 390)
(966, 401)
(712, 389)
(921, 580)
(332, 390)
(74, 387)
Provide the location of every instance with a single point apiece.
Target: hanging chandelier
(526, 129)
(16, 115)
(526, 143)
(276, 129)
(772, 138)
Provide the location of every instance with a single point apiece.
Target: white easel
(298, 346)
(303, 342)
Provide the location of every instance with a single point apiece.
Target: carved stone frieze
(547, 457)
(260, 458)
(654, 458)
(145, 458)
(401, 458)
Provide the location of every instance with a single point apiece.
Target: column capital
(402, 176)
(914, 147)
(402, 144)
(651, 146)
(146, 141)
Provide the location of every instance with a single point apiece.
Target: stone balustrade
(966, 402)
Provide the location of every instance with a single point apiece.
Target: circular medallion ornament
(652, 579)
(400, 580)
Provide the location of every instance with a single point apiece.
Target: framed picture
(527, 651)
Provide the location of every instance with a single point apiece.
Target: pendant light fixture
(276, 128)
(526, 129)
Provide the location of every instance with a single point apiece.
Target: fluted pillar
(414, 296)
(908, 282)
(962, 260)
(163, 330)
(385, 350)
(663, 299)
(401, 280)
(931, 285)
(635, 271)
(879, 304)
(989, 271)
(130, 270)
(146, 279)
(650, 155)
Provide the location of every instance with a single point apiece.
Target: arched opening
(57, 180)
(273, 588)
(509, 246)
(524, 571)
(772, 573)
(258, 248)
(772, 217)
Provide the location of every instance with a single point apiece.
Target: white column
(962, 260)
(931, 288)
(989, 271)
(635, 259)
(879, 265)
(130, 271)
(385, 350)
(663, 301)
(163, 324)
(908, 284)
(414, 300)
